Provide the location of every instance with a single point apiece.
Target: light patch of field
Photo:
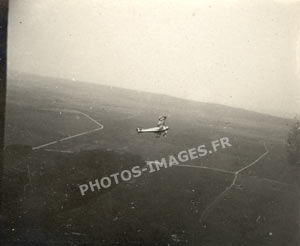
(35, 127)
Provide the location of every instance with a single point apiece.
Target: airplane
(159, 129)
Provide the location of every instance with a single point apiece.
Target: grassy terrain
(42, 201)
(37, 126)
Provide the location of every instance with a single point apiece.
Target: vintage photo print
(151, 122)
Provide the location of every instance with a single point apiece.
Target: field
(81, 132)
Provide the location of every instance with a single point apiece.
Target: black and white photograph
(150, 122)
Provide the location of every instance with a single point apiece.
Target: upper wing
(161, 120)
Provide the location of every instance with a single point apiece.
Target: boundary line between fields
(212, 205)
(204, 167)
(71, 111)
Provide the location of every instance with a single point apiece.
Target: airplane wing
(153, 129)
(161, 120)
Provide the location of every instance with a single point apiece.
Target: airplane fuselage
(156, 129)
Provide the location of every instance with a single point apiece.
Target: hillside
(61, 134)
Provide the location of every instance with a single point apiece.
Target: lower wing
(154, 129)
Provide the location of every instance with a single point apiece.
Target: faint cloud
(287, 1)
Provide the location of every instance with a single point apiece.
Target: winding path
(100, 127)
(212, 205)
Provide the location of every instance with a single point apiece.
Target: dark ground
(42, 203)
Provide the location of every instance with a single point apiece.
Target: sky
(240, 53)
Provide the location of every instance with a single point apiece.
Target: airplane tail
(139, 130)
